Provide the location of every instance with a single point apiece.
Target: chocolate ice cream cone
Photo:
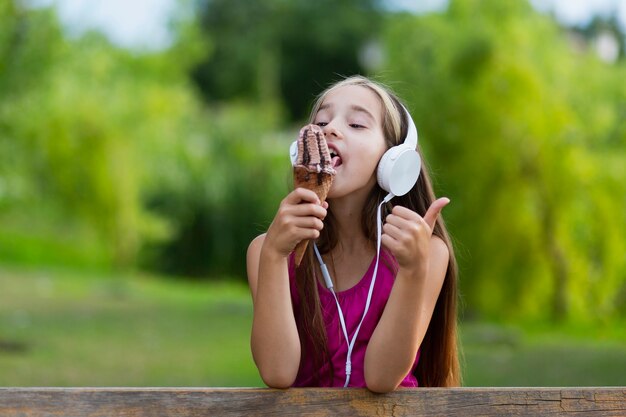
(313, 170)
(319, 183)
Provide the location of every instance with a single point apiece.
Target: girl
(408, 334)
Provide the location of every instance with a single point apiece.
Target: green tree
(230, 185)
(526, 134)
(24, 65)
(109, 157)
(90, 128)
(285, 51)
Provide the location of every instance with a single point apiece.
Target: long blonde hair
(438, 365)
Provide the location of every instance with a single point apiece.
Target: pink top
(352, 303)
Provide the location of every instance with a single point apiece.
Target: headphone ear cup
(399, 169)
(382, 173)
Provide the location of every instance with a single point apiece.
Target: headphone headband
(411, 134)
(400, 166)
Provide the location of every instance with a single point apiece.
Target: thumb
(433, 211)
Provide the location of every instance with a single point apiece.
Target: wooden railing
(192, 402)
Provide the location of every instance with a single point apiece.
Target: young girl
(408, 334)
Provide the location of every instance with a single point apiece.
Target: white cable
(329, 284)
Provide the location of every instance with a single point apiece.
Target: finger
(302, 194)
(301, 210)
(401, 222)
(392, 230)
(325, 205)
(390, 243)
(405, 213)
(308, 223)
(433, 211)
(307, 233)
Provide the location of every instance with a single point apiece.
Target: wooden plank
(193, 402)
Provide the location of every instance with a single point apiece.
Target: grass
(542, 355)
(59, 328)
(68, 328)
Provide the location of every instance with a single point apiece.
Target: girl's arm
(275, 342)
(423, 261)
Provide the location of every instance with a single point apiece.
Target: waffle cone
(319, 183)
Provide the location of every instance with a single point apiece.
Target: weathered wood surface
(192, 402)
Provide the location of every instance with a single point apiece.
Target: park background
(132, 179)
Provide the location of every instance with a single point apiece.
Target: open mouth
(335, 158)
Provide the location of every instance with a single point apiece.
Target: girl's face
(351, 118)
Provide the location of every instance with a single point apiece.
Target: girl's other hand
(407, 235)
(299, 217)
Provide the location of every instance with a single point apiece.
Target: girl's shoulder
(439, 248)
(254, 249)
(257, 243)
(252, 260)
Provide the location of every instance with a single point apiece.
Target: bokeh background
(144, 144)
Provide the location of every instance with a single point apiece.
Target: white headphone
(398, 169)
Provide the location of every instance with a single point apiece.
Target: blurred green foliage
(286, 50)
(527, 135)
(175, 160)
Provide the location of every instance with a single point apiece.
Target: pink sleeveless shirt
(352, 303)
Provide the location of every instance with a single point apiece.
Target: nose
(331, 130)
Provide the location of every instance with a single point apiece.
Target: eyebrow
(353, 107)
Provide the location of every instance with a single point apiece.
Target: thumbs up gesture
(407, 235)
